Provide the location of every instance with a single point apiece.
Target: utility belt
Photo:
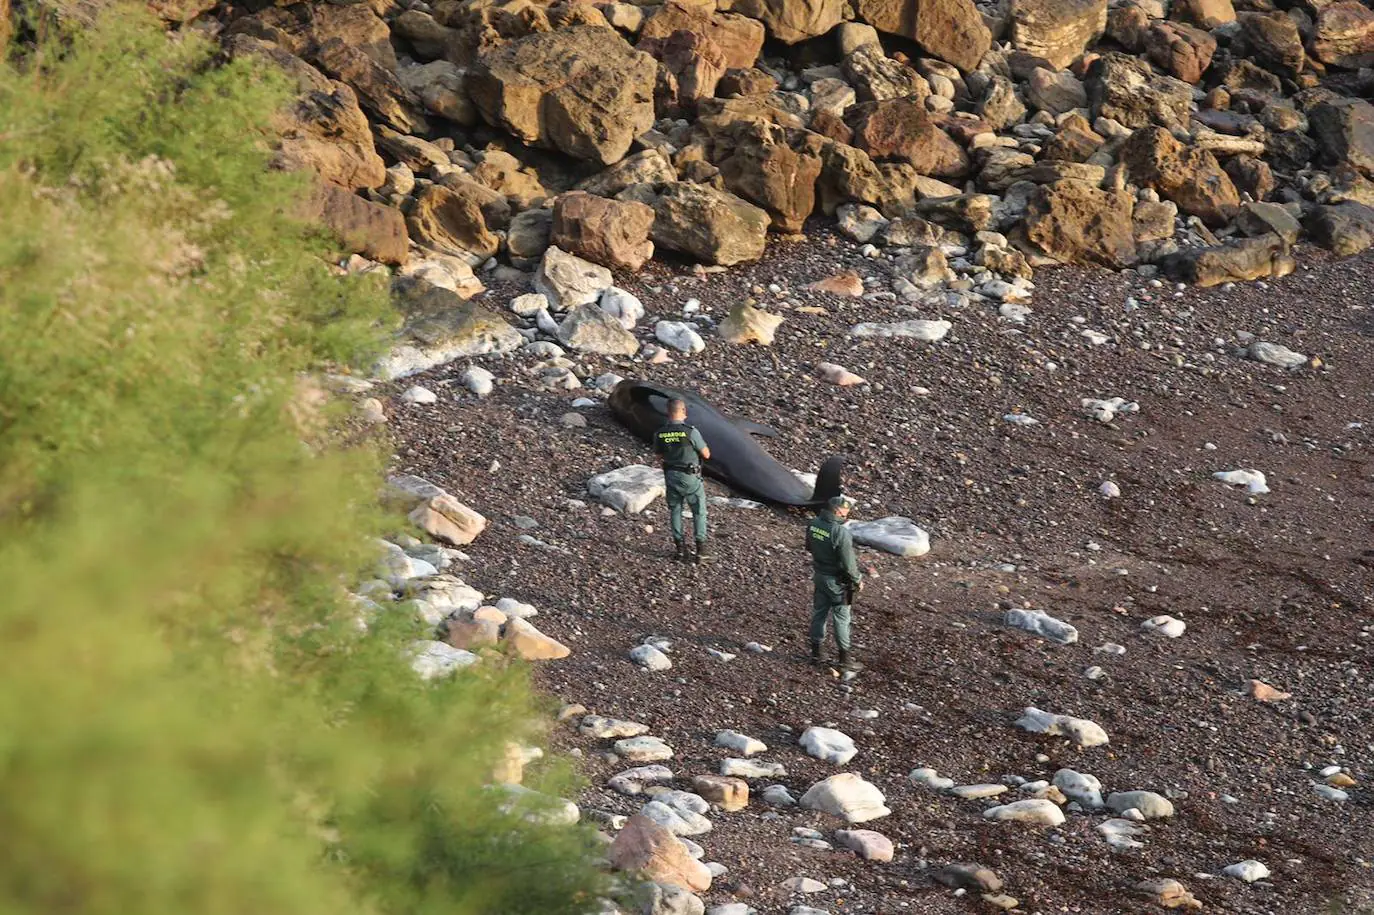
(680, 468)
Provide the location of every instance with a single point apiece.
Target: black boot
(848, 663)
(700, 556)
(682, 553)
(816, 657)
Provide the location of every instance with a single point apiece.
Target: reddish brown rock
(1058, 31)
(901, 129)
(765, 169)
(792, 21)
(1344, 35)
(612, 233)
(1251, 175)
(375, 231)
(745, 81)
(644, 847)
(847, 285)
(725, 792)
(1187, 175)
(1205, 14)
(1262, 691)
(1075, 141)
(1077, 223)
(952, 30)
(1272, 40)
(379, 91)
(877, 77)
(1180, 50)
(739, 38)
(690, 66)
(451, 222)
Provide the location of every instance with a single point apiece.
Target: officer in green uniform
(682, 449)
(836, 575)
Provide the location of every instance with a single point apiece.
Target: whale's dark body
(736, 459)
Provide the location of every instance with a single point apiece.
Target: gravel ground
(1276, 587)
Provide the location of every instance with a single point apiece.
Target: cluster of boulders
(1200, 137)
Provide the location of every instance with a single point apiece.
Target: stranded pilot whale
(736, 459)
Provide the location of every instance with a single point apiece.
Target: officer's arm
(844, 543)
(699, 444)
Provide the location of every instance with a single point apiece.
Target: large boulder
(878, 78)
(442, 89)
(847, 796)
(611, 233)
(1344, 35)
(568, 281)
(1127, 90)
(765, 169)
(650, 166)
(582, 90)
(1180, 50)
(451, 222)
(588, 329)
(1205, 14)
(1187, 175)
(712, 225)
(644, 847)
(1273, 41)
(1344, 130)
(379, 90)
(1058, 31)
(1077, 223)
(1055, 92)
(375, 231)
(849, 175)
(792, 21)
(690, 66)
(739, 38)
(1236, 261)
(901, 129)
(952, 30)
(1346, 228)
(440, 327)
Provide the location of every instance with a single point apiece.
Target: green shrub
(190, 718)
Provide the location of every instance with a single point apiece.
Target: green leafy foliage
(191, 718)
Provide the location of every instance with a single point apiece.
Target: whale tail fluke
(828, 480)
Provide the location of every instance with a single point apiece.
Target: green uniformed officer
(682, 449)
(836, 575)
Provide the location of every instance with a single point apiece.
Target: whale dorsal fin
(754, 428)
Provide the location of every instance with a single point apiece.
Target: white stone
(1020, 419)
(623, 306)
(649, 657)
(643, 749)
(634, 781)
(740, 743)
(828, 745)
(418, 395)
(627, 489)
(748, 768)
(516, 610)
(1249, 871)
(926, 331)
(848, 796)
(1081, 731)
(732, 908)
(478, 380)
(1033, 812)
(1329, 793)
(1086, 790)
(529, 304)
(1043, 625)
(678, 821)
(837, 375)
(432, 660)
(778, 796)
(1253, 481)
(930, 779)
(977, 792)
(1109, 490)
(1120, 834)
(1274, 354)
(1104, 411)
(1151, 806)
(897, 535)
(1165, 625)
(680, 336)
(568, 281)
(803, 885)
(537, 807)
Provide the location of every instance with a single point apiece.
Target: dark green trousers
(685, 489)
(830, 602)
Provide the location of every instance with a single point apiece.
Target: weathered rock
(1126, 90)
(643, 846)
(901, 129)
(748, 768)
(879, 78)
(680, 812)
(966, 213)
(1076, 141)
(709, 224)
(1345, 228)
(1086, 790)
(1032, 812)
(606, 728)
(471, 634)
(1180, 50)
(1151, 806)
(622, 306)
(611, 233)
(435, 510)
(726, 793)
(327, 133)
(650, 167)
(431, 41)
(679, 335)
(1262, 691)
(1042, 624)
(740, 743)
(1168, 894)
(867, 844)
(1077, 223)
(764, 169)
(589, 329)
(378, 88)
(969, 877)
(1188, 176)
(643, 749)
(1257, 219)
(1247, 871)
(1058, 31)
(1055, 92)
(1344, 35)
(529, 643)
(792, 21)
(451, 223)
(1205, 14)
(1344, 130)
(952, 30)
(1235, 261)
(362, 227)
(1127, 25)
(690, 66)
(746, 81)
(568, 281)
(828, 745)
(1081, 731)
(916, 329)
(747, 324)
(896, 535)
(740, 38)
(650, 657)
(433, 660)
(627, 489)
(849, 175)
(528, 238)
(1272, 40)
(507, 175)
(441, 327)
(582, 90)
(1251, 176)
(1000, 106)
(848, 796)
